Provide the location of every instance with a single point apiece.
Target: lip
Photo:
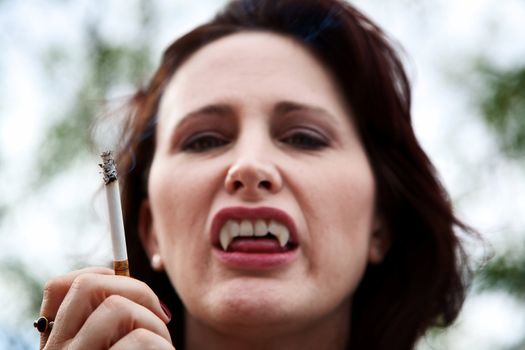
(253, 260)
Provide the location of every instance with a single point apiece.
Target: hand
(94, 309)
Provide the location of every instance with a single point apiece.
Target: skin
(313, 167)
(83, 303)
(307, 161)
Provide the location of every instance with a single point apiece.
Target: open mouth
(254, 237)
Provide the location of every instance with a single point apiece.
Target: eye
(305, 139)
(203, 142)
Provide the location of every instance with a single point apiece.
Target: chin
(252, 309)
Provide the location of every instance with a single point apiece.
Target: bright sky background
(49, 228)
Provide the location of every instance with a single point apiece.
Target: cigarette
(118, 238)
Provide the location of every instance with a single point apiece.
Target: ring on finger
(43, 325)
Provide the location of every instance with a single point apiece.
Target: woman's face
(253, 137)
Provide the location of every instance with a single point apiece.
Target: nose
(252, 178)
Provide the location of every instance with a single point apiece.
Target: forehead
(250, 64)
(253, 52)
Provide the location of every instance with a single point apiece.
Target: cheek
(339, 209)
(171, 201)
(180, 192)
(180, 197)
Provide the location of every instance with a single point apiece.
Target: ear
(147, 233)
(380, 242)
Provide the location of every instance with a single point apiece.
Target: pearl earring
(156, 262)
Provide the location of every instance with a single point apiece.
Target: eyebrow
(220, 110)
(281, 109)
(285, 107)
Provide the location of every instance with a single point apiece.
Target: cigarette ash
(109, 168)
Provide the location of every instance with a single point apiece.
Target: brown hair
(421, 282)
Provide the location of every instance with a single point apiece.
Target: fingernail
(167, 311)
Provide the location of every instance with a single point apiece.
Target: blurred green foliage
(504, 274)
(109, 66)
(503, 109)
(503, 106)
(17, 273)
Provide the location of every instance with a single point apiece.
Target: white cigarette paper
(118, 237)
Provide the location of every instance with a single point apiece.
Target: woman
(277, 197)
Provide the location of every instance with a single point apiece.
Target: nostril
(237, 184)
(267, 185)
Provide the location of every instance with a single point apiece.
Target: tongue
(255, 245)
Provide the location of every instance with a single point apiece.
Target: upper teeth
(247, 228)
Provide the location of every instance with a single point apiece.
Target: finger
(141, 339)
(89, 290)
(56, 289)
(114, 319)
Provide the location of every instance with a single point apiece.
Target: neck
(331, 332)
